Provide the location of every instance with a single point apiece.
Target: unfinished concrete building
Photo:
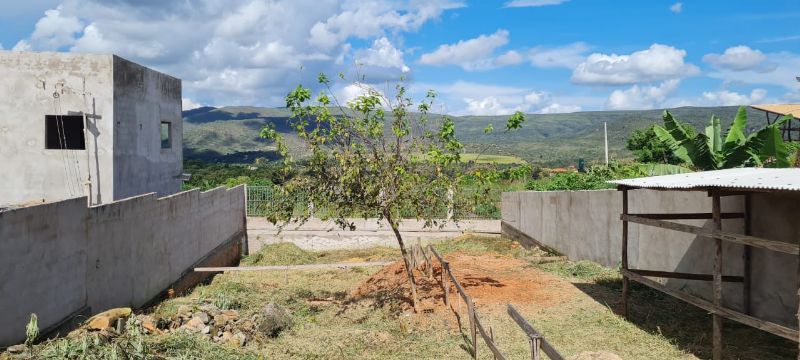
(78, 125)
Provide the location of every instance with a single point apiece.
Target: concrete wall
(143, 98)
(123, 157)
(585, 225)
(326, 235)
(30, 173)
(60, 258)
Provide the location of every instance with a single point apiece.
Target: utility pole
(605, 138)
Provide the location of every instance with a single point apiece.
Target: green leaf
(675, 128)
(702, 156)
(735, 136)
(662, 169)
(767, 145)
(674, 145)
(714, 135)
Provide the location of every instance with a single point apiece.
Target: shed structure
(773, 112)
(763, 184)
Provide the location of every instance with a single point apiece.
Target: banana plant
(708, 150)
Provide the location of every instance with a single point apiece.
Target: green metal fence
(264, 200)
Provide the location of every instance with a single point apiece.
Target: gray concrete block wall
(585, 225)
(28, 82)
(143, 98)
(60, 257)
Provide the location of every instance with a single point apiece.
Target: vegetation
(708, 150)
(364, 159)
(648, 148)
(210, 175)
(330, 324)
(597, 176)
(227, 134)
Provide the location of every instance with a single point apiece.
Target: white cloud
(641, 97)
(188, 104)
(533, 3)
(472, 54)
(729, 98)
(568, 56)
(511, 57)
(52, 32)
(558, 108)
(657, 63)
(382, 54)
(467, 98)
(783, 68)
(739, 58)
(368, 18)
(246, 52)
(676, 7)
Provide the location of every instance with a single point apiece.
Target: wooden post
(748, 230)
(491, 336)
(445, 282)
(535, 347)
(625, 281)
(717, 285)
(473, 328)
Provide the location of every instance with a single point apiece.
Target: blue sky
(483, 57)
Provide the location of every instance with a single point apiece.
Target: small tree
(648, 148)
(374, 157)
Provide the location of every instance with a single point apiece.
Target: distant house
(86, 125)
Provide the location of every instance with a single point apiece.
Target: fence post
(473, 327)
(491, 336)
(535, 347)
(446, 283)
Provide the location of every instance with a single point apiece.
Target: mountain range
(231, 134)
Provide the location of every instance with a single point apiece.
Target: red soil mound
(489, 279)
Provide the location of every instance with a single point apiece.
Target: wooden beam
(625, 283)
(767, 326)
(772, 245)
(717, 282)
(747, 254)
(488, 339)
(685, 276)
(548, 349)
(689, 216)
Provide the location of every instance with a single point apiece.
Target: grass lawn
(362, 313)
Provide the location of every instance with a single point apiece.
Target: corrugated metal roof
(741, 178)
(781, 109)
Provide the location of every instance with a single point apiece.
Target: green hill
(230, 134)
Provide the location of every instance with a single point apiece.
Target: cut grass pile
(291, 254)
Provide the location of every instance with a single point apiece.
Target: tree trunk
(409, 270)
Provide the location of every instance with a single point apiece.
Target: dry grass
(347, 327)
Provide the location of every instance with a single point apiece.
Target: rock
(16, 349)
(231, 314)
(238, 339)
(107, 318)
(202, 316)
(150, 325)
(206, 330)
(194, 325)
(274, 320)
(226, 336)
(184, 311)
(595, 355)
(210, 309)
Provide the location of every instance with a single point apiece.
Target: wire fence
(267, 200)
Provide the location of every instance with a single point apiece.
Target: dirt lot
(364, 313)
